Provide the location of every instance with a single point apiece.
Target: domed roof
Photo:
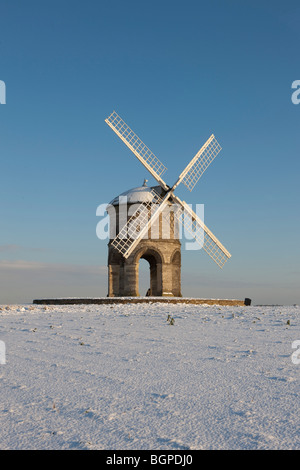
(136, 195)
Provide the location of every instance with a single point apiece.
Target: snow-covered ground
(123, 377)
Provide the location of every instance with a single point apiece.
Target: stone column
(113, 280)
(167, 283)
(130, 280)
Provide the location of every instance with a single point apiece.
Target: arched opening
(144, 277)
(150, 283)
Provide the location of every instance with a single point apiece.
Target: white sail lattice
(200, 162)
(136, 145)
(137, 225)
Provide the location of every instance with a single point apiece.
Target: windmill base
(140, 300)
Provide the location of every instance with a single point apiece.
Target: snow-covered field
(123, 377)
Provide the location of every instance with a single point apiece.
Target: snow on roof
(135, 195)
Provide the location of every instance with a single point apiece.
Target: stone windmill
(149, 213)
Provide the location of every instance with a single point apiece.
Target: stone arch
(164, 260)
(176, 257)
(155, 260)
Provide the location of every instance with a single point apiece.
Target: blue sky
(175, 72)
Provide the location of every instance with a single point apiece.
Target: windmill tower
(151, 207)
(160, 246)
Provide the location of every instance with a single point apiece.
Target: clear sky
(176, 71)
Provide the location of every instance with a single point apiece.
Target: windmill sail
(195, 169)
(138, 224)
(206, 239)
(137, 146)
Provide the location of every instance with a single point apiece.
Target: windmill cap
(136, 195)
